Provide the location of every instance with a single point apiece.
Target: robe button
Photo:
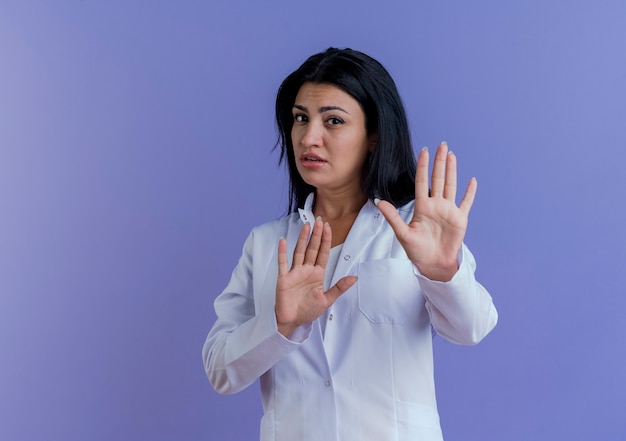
(346, 257)
(327, 383)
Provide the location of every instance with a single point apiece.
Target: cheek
(358, 147)
(297, 132)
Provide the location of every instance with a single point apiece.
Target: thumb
(340, 287)
(391, 214)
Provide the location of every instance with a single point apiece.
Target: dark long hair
(389, 171)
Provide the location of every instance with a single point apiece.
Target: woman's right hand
(300, 295)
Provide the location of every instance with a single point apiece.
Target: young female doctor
(333, 305)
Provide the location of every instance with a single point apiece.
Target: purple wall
(135, 155)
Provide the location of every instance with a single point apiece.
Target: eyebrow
(322, 109)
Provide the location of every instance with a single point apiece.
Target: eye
(334, 121)
(300, 117)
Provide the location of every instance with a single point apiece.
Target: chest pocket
(388, 291)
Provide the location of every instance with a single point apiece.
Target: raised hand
(300, 295)
(434, 236)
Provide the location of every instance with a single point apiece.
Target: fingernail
(318, 218)
(450, 152)
(326, 224)
(424, 149)
(444, 143)
(376, 201)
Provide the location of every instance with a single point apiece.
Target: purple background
(135, 156)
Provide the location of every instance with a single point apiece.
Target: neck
(336, 205)
(340, 210)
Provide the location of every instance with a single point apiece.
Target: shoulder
(273, 230)
(275, 225)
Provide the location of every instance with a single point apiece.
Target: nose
(311, 135)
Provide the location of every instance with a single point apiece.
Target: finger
(439, 170)
(449, 189)
(421, 175)
(468, 198)
(324, 252)
(340, 287)
(395, 220)
(314, 243)
(298, 252)
(283, 266)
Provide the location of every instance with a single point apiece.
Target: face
(329, 138)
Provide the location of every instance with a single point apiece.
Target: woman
(332, 306)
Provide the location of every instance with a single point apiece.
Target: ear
(371, 141)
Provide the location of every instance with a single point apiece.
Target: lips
(312, 158)
(311, 161)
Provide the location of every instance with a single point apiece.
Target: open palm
(300, 295)
(434, 235)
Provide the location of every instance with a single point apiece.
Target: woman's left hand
(434, 236)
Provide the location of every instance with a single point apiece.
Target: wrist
(438, 273)
(286, 330)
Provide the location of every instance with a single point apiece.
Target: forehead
(325, 94)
